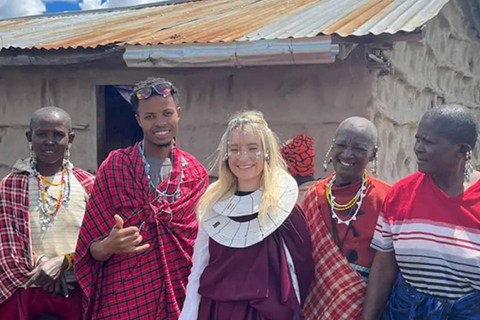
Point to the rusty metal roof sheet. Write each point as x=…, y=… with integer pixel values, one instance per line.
x=210, y=21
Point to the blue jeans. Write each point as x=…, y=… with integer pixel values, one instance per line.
x=406, y=303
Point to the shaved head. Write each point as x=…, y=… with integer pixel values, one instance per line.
x=354, y=146
x=50, y=136
x=455, y=122
x=48, y=113
x=360, y=126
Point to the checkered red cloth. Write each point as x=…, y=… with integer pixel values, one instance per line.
x=15, y=252
x=150, y=285
x=338, y=291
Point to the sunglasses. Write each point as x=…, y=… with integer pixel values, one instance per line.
x=164, y=90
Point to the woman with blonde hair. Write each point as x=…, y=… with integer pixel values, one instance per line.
x=253, y=256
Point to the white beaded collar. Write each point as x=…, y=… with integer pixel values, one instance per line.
x=230, y=233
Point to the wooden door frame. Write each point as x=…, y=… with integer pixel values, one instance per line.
x=101, y=122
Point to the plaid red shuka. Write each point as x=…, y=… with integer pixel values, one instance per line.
x=15, y=249
x=338, y=290
x=150, y=285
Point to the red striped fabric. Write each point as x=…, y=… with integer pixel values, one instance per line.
x=150, y=285
x=435, y=237
x=338, y=290
x=15, y=255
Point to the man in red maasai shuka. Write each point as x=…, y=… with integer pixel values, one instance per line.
x=42, y=203
x=136, y=243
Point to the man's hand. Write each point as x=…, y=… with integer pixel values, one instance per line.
x=61, y=286
x=119, y=241
x=46, y=273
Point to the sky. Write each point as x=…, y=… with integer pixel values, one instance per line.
x=19, y=8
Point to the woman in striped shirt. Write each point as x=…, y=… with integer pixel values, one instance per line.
x=428, y=234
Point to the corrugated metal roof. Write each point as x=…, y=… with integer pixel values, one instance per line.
x=211, y=21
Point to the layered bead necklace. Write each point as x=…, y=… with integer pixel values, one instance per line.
x=48, y=204
x=146, y=166
x=356, y=201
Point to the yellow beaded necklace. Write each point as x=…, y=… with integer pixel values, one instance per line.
x=47, y=211
x=357, y=200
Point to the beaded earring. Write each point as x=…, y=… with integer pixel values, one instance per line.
x=66, y=158
x=226, y=155
x=375, y=165
x=267, y=144
x=32, y=153
x=468, y=166
x=267, y=156
x=33, y=156
x=327, y=160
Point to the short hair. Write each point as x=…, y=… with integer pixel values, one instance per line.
x=455, y=122
x=38, y=115
x=150, y=82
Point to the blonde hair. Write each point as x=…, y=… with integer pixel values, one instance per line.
x=226, y=185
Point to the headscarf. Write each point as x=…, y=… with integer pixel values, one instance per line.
x=299, y=155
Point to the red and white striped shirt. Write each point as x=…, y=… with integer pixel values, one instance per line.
x=436, y=238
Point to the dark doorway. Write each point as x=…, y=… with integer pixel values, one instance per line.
x=117, y=127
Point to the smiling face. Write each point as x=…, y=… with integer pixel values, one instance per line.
x=158, y=117
x=351, y=152
x=50, y=137
x=246, y=158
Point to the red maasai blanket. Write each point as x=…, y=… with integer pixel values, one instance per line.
x=150, y=285
x=15, y=253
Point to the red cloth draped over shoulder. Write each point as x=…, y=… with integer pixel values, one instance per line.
x=15, y=253
x=150, y=285
x=338, y=290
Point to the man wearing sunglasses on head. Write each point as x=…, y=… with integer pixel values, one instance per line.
x=136, y=242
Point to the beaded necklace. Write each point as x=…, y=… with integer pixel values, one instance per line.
x=48, y=204
x=357, y=200
x=146, y=167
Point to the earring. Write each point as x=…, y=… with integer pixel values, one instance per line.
x=327, y=160
x=375, y=165
x=468, y=166
x=267, y=156
x=225, y=157
x=66, y=158
x=32, y=153
x=227, y=152
x=33, y=157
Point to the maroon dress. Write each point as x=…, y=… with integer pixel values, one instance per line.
x=254, y=283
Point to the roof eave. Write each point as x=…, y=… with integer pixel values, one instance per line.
x=40, y=57
x=317, y=50
x=399, y=36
